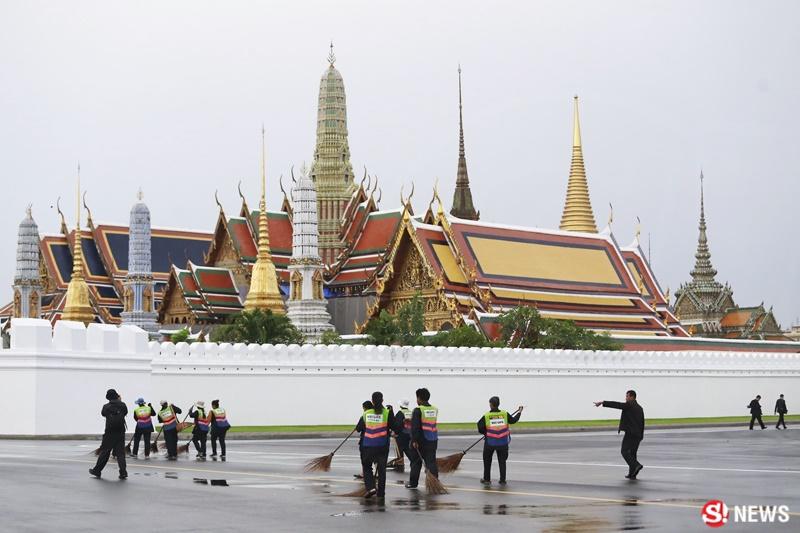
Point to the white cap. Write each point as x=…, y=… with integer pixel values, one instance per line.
x=163, y=402
x=403, y=403
x=200, y=403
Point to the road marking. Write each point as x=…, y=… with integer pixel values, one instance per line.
x=596, y=499
x=649, y=466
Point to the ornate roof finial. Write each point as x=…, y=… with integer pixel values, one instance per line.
x=463, y=206
x=638, y=230
x=331, y=56
x=29, y=211
x=577, y=214
x=140, y=195
x=64, y=229
x=88, y=211
x=610, y=214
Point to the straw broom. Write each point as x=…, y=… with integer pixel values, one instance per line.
x=360, y=493
x=432, y=483
x=180, y=426
x=397, y=464
x=154, y=446
x=323, y=464
x=452, y=462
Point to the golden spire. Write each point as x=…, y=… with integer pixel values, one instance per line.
x=264, y=293
x=577, y=215
x=77, y=307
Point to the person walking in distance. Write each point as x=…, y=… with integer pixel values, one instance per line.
x=200, y=430
x=375, y=424
x=168, y=416
x=495, y=425
x=424, y=438
x=219, y=427
x=144, y=426
x=780, y=410
x=755, y=412
x=631, y=421
x=114, y=436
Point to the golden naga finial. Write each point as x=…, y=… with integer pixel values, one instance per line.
x=610, y=214
x=666, y=296
x=638, y=229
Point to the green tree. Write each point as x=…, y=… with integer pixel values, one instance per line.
x=524, y=327
x=382, y=329
x=463, y=336
x=260, y=327
x=411, y=322
x=182, y=335
x=330, y=337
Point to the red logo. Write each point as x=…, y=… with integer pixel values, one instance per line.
x=715, y=513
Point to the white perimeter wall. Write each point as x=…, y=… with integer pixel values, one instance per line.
x=56, y=379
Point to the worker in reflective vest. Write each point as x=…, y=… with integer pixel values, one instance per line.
x=403, y=422
x=144, y=426
x=424, y=437
x=200, y=430
x=169, y=426
x=219, y=427
x=495, y=426
x=375, y=423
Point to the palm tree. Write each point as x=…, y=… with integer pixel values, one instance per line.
x=260, y=327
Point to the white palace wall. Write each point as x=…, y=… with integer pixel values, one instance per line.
x=56, y=379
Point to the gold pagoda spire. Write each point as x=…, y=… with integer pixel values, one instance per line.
x=577, y=215
x=77, y=307
x=264, y=293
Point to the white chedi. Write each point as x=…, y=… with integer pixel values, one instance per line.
x=307, y=307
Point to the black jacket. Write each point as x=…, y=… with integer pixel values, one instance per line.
x=780, y=406
x=512, y=419
x=114, y=406
x=631, y=421
x=755, y=407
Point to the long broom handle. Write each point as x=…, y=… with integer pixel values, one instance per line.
x=342, y=443
x=483, y=437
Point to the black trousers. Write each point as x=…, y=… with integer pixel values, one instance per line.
x=378, y=456
x=502, y=456
x=404, y=441
x=428, y=452
x=116, y=442
x=199, y=439
x=753, y=418
x=171, y=440
x=630, y=445
x=218, y=434
x=142, y=433
x=780, y=421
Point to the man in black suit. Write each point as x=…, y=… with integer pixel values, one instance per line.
x=780, y=410
x=755, y=412
x=631, y=421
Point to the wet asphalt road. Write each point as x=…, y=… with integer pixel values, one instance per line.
x=557, y=482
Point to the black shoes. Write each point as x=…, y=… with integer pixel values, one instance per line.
x=370, y=493
x=95, y=473
x=638, y=469
x=486, y=482
x=502, y=481
x=123, y=475
x=410, y=486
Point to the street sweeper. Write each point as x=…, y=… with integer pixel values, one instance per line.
x=495, y=426
x=143, y=414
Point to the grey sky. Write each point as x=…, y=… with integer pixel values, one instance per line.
x=170, y=96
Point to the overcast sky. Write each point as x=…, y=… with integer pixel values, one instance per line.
x=170, y=97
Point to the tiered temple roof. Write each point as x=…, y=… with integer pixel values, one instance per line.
x=469, y=271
